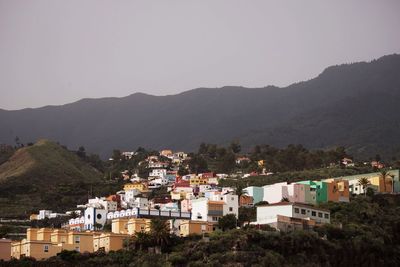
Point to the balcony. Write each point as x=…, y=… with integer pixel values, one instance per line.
x=215, y=213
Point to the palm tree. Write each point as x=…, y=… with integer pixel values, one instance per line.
x=384, y=175
x=159, y=230
x=240, y=191
x=364, y=182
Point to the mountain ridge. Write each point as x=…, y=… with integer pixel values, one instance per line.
x=299, y=113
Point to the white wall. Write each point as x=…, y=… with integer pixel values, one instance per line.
x=273, y=193
x=268, y=214
x=309, y=214
x=199, y=208
x=93, y=216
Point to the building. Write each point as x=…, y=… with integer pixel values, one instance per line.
x=94, y=218
x=109, y=242
x=289, y=224
x=245, y=201
x=5, y=249
x=268, y=214
x=274, y=193
x=142, y=187
x=136, y=225
x=189, y=227
x=44, y=214
x=197, y=180
x=256, y=192
x=376, y=182
x=166, y=153
x=44, y=243
x=158, y=173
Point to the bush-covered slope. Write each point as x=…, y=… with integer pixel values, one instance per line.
x=47, y=176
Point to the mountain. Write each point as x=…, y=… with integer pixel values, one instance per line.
x=44, y=176
x=354, y=105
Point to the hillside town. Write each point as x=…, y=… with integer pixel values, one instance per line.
x=191, y=204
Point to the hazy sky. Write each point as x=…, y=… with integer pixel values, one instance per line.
x=55, y=52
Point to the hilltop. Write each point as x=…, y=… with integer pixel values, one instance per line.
x=44, y=175
x=352, y=105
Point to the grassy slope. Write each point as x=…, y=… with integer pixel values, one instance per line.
x=44, y=175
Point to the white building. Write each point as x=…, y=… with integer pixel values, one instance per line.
x=274, y=193
x=158, y=165
x=212, y=208
x=102, y=203
x=94, y=217
x=267, y=214
x=44, y=214
x=231, y=203
x=159, y=181
x=158, y=173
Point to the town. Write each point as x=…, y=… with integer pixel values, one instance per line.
x=192, y=204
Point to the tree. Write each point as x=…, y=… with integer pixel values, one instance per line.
x=247, y=214
x=160, y=232
x=227, y=222
x=385, y=175
x=81, y=152
x=240, y=191
x=235, y=147
x=198, y=164
x=364, y=182
x=116, y=155
x=182, y=171
x=140, y=241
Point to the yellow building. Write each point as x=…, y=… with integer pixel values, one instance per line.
x=44, y=243
x=109, y=242
x=33, y=217
x=188, y=227
x=142, y=187
x=119, y=226
x=136, y=225
x=198, y=181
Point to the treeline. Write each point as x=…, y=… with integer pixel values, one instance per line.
x=211, y=157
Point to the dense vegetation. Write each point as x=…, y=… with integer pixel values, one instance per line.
x=47, y=176
x=211, y=157
x=364, y=232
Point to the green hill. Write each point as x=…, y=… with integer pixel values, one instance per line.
x=45, y=176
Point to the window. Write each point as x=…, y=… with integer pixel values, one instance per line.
x=326, y=216
x=320, y=214
x=313, y=213
x=98, y=216
x=77, y=249
x=232, y=198
x=77, y=239
x=230, y=209
x=303, y=211
x=296, y=210
x=46, y=248
x=215, y=219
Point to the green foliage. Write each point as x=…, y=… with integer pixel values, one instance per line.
x=227, y=222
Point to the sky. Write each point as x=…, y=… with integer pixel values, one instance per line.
x=56, y=52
